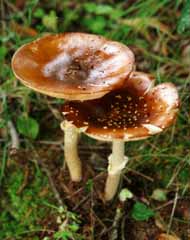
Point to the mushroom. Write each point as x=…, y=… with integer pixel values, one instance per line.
x=135, y=112
x=73, y=66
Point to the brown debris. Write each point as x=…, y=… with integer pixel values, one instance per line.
x=22, y=30
x=164, y=236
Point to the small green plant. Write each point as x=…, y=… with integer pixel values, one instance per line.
x=141, y=212
x=159, y=195
x=89, y=186
x=3, y=52
x=28, y=126
x=68, y=224
x=125, y=194
x=184, y=20
x=22, y=204
x=50, y=21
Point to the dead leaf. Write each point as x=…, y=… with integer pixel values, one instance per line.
x=20, y=4
x=152, y=22
x=164, y=236
x=22, y=30
x=160, y=224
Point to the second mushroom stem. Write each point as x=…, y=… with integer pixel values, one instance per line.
x=117, y=161
x=71, y=150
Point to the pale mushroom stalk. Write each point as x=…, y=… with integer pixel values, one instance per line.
x=72, y=159
x=117, y=161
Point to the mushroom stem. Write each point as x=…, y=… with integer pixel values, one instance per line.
x=70, y=150
x=117, y=161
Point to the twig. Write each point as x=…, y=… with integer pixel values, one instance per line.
x=76, y=192
x=3, y=164
x=114, y=233
x=123, y=228
x=164, y=205
x=169, y=203
x=81, y=202
x=22, y=186
x=80, y=189
x=100, y=222
x=11, y=6
x=3, y=16
x=59, y=142
x=176, y=172
x=140, y=174
x=54, y=111
x=51, y=182
x=92, y=219
x=15, y=142
x=173, y=211
x=53, y=187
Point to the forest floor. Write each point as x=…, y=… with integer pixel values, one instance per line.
x=37, y=199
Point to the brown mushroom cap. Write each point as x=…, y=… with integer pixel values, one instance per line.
x=74, y=66
x=133, y=113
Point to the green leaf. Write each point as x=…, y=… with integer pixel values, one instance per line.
x=125, y=194
x=65, y=235
x=2, y=123
x=39, y=13
x=28, y=126
x=184, y=21
x=3, y=52
x=46, y=238
x=159, y=195
x=141, y=212
x=32, y=3
x=50, y=21
x=116, y=13
x=74, y=227
x=89, y=186
x=184, y=175
x=100, y=9
x=90, y=7
x=95, y=24
x=103, y=9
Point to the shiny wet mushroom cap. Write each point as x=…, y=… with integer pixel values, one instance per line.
x=74, y=66
x=130, y=114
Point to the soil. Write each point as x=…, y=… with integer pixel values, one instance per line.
x=98, y=217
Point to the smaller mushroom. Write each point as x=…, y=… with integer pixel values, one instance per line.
x=136, y=112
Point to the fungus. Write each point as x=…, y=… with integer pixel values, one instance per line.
x=135, y=112
x=73, y=66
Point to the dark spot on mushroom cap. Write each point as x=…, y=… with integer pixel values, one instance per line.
x=126, y=114
x=116, y=110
